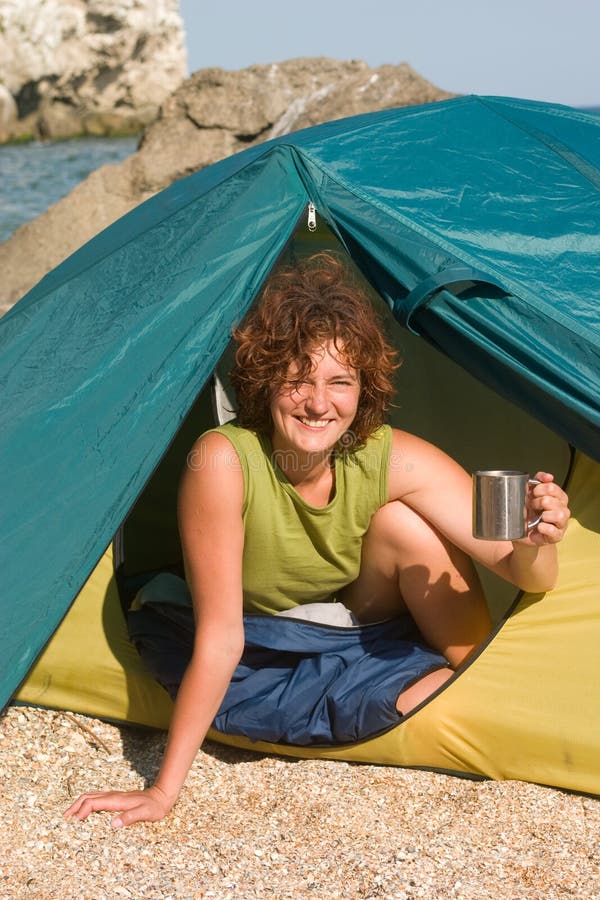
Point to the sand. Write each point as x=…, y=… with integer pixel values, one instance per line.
x=253, y=826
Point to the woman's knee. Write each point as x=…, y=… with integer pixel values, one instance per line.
x=417, y=693
x=436, y=581
x=398, y=541
x=398, y=528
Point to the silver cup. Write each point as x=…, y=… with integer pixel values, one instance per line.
x=500, y=505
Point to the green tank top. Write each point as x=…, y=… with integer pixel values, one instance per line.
x=296, y=553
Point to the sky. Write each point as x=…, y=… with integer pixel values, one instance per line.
x=536, y=49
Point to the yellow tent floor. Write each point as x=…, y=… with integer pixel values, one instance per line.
x=527, y=707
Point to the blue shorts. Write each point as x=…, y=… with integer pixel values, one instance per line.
x=298, y=682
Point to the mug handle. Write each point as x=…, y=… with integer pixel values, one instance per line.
x=537, y=521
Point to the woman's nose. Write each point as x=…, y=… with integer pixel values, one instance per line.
x=316, y=399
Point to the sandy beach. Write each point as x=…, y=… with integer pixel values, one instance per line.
x=250, y=826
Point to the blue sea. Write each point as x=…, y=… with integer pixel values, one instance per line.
x=33, y=176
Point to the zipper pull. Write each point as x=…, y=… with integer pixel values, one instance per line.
x=312, y=216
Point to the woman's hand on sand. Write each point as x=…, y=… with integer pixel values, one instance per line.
x=550, y=501
x=149, y=805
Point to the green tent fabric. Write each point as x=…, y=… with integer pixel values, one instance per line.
x=477, y=219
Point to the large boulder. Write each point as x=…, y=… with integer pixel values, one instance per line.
x=212, y=115
x=70, y=67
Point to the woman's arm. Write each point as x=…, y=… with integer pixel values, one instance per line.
x=210, y=524
x=429, y=481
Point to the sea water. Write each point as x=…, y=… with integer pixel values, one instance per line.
x=37, y=174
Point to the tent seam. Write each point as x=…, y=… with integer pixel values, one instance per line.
x=516, y=289
x=484, y=101
x=137, y=235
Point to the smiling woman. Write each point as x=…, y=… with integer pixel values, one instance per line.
x=310, y=498
x=312, y=415
x=304, y=310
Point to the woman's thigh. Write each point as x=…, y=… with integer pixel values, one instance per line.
x=407, y=565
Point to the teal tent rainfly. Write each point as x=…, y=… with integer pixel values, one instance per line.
x=476, y=219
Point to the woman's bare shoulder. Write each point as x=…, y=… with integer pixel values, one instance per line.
x=212, y=473
x=416, y=463
x=214, y=451
x=405, y=444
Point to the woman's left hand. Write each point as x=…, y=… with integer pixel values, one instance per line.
x=550, y=501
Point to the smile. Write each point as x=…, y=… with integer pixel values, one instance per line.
x=314, y=423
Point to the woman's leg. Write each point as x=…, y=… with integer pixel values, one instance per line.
x=407, y=565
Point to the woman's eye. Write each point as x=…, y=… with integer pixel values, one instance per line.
x=295, y=387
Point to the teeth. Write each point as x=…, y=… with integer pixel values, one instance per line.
x=315, y=423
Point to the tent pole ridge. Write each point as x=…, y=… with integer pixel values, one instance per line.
x=585, y=168
x=517, y=289
x=405, y=308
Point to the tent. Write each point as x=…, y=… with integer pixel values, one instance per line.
x=477, y=222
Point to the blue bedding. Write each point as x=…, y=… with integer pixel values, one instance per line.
x=298, y=682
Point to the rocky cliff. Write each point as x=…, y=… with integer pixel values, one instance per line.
x=71, y=67
x=213, y=114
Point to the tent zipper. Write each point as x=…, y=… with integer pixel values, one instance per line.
x=312, y=216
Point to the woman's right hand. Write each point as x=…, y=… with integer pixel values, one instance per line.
x=211, y=528
x=149, y=805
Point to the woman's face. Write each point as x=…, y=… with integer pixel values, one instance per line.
x=312, y=415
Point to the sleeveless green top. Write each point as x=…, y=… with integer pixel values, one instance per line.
x=297, y=553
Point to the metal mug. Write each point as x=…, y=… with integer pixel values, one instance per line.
x=500, y=505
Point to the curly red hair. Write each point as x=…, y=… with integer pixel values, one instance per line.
x=301, y=309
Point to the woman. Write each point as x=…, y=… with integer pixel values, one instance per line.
x=358, y=512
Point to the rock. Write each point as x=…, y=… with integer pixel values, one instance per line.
x=8, y=113
x=232, y=110
x=87, y=66
x=211, y=115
